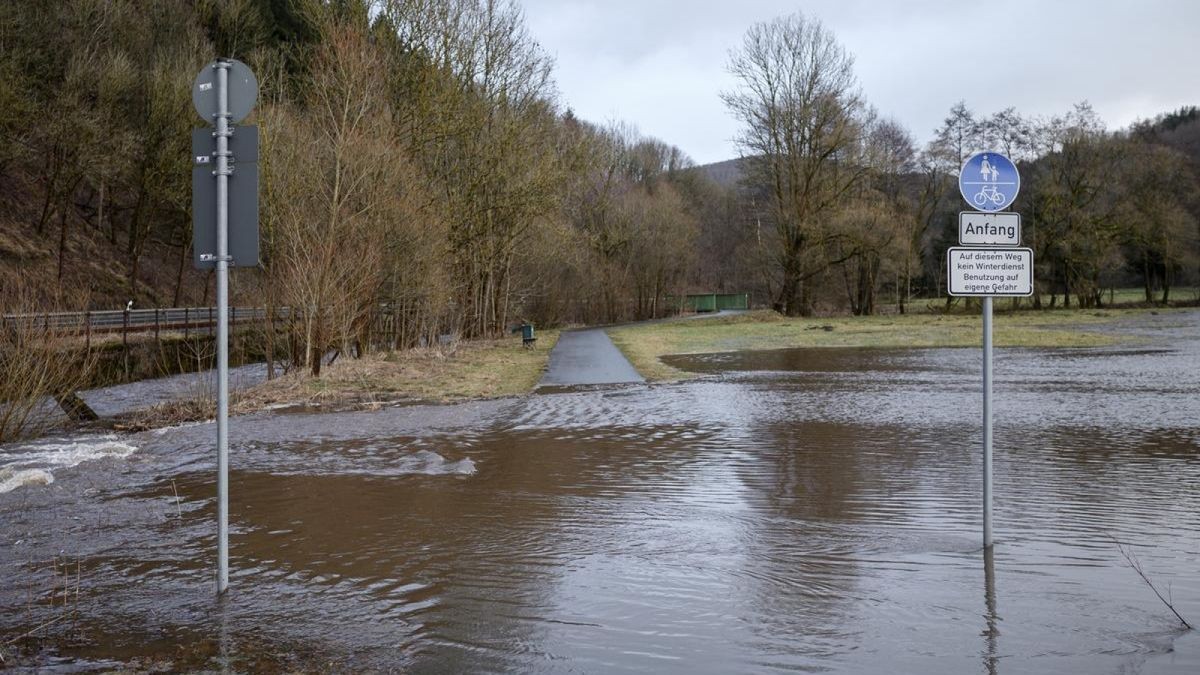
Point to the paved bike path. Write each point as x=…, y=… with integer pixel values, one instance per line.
x=587, y=357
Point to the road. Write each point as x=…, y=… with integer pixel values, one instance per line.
x=584, y=357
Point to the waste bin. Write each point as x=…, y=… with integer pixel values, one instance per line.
x=527, y=338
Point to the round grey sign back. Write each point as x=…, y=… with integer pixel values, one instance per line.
x=243, y=91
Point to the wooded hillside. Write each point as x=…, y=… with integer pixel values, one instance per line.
x=417, y=160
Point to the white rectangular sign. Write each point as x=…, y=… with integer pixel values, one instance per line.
x=989, y=229
x=1001, y=272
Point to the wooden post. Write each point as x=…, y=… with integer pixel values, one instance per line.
x=125, y=341
x=187, y=323
x=233, y=320
x=156, y=325
x=87, y=327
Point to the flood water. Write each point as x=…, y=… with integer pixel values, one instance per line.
x=812, y=511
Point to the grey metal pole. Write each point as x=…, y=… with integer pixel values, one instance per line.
x=223, y=171
x=987, y=422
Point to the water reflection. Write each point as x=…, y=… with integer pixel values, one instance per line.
x=992, y=632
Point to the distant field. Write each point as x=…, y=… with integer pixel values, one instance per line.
x=1133, y=296
x=645, y=344
x=1117, y=297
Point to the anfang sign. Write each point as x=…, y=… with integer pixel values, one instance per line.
x=989, y=229
x=989, y=182
x=990, y=272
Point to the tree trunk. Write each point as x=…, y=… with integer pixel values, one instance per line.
x=269, y=336
x=183, y=248
x=62, y=243
x=1147, y=280
x=788, y=291
x=851, y=291
x=100, y=209
x=308, y=345
x=51, y=179
x=136, y=241
x=315, y=359
x=75, y=408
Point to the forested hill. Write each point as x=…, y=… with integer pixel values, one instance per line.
x=727, y=174
x=395, y=171
x=85, y=262
x=1179, y=130
x=398, y=174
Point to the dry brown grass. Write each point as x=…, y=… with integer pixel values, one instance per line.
x=468, y=370
x=37, y=366
x=477, y=369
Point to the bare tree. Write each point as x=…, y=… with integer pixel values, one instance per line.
x=802, y=116
x=481, y=123
x=338, y=186
x=959, y=136
x=1010, y=133
x=40, y=362
x=1159, y=232
x=1075, y=202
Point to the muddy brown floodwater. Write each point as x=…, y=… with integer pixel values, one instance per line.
x=789, y=511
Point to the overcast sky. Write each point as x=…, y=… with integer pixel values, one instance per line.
x=660, y=64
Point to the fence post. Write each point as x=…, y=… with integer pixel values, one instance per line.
x=87, y=327
x=187, y=324
x=125, y=340
x=233, y=334
x=156, y=325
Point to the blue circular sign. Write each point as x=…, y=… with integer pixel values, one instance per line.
x=989, y=181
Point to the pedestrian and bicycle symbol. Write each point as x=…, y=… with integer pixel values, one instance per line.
x=989, y=181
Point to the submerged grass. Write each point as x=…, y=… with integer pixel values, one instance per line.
x=645, y=344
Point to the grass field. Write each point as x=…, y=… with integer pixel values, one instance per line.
x=1137, y=296
x=1120, y=298
x=644, y=345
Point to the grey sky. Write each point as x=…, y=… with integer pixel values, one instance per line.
x=660, y=64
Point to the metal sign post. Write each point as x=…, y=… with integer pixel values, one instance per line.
x=221, y=98
x=987, y=422
x=989, y=182
x=222, y=326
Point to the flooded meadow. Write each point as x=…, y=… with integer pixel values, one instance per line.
x=798, y=510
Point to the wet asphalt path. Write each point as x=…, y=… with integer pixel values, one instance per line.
x=587, y=357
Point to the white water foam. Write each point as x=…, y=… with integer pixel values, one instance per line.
x=185, y=425
x=32, y=464
x=11, y=479
x=431, y=463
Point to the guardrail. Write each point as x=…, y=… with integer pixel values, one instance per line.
x=187, y=319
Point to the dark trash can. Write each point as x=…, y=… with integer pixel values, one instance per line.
x=527, y=338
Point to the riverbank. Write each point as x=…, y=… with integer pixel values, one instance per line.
x=469, y=370
x=645, y=344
